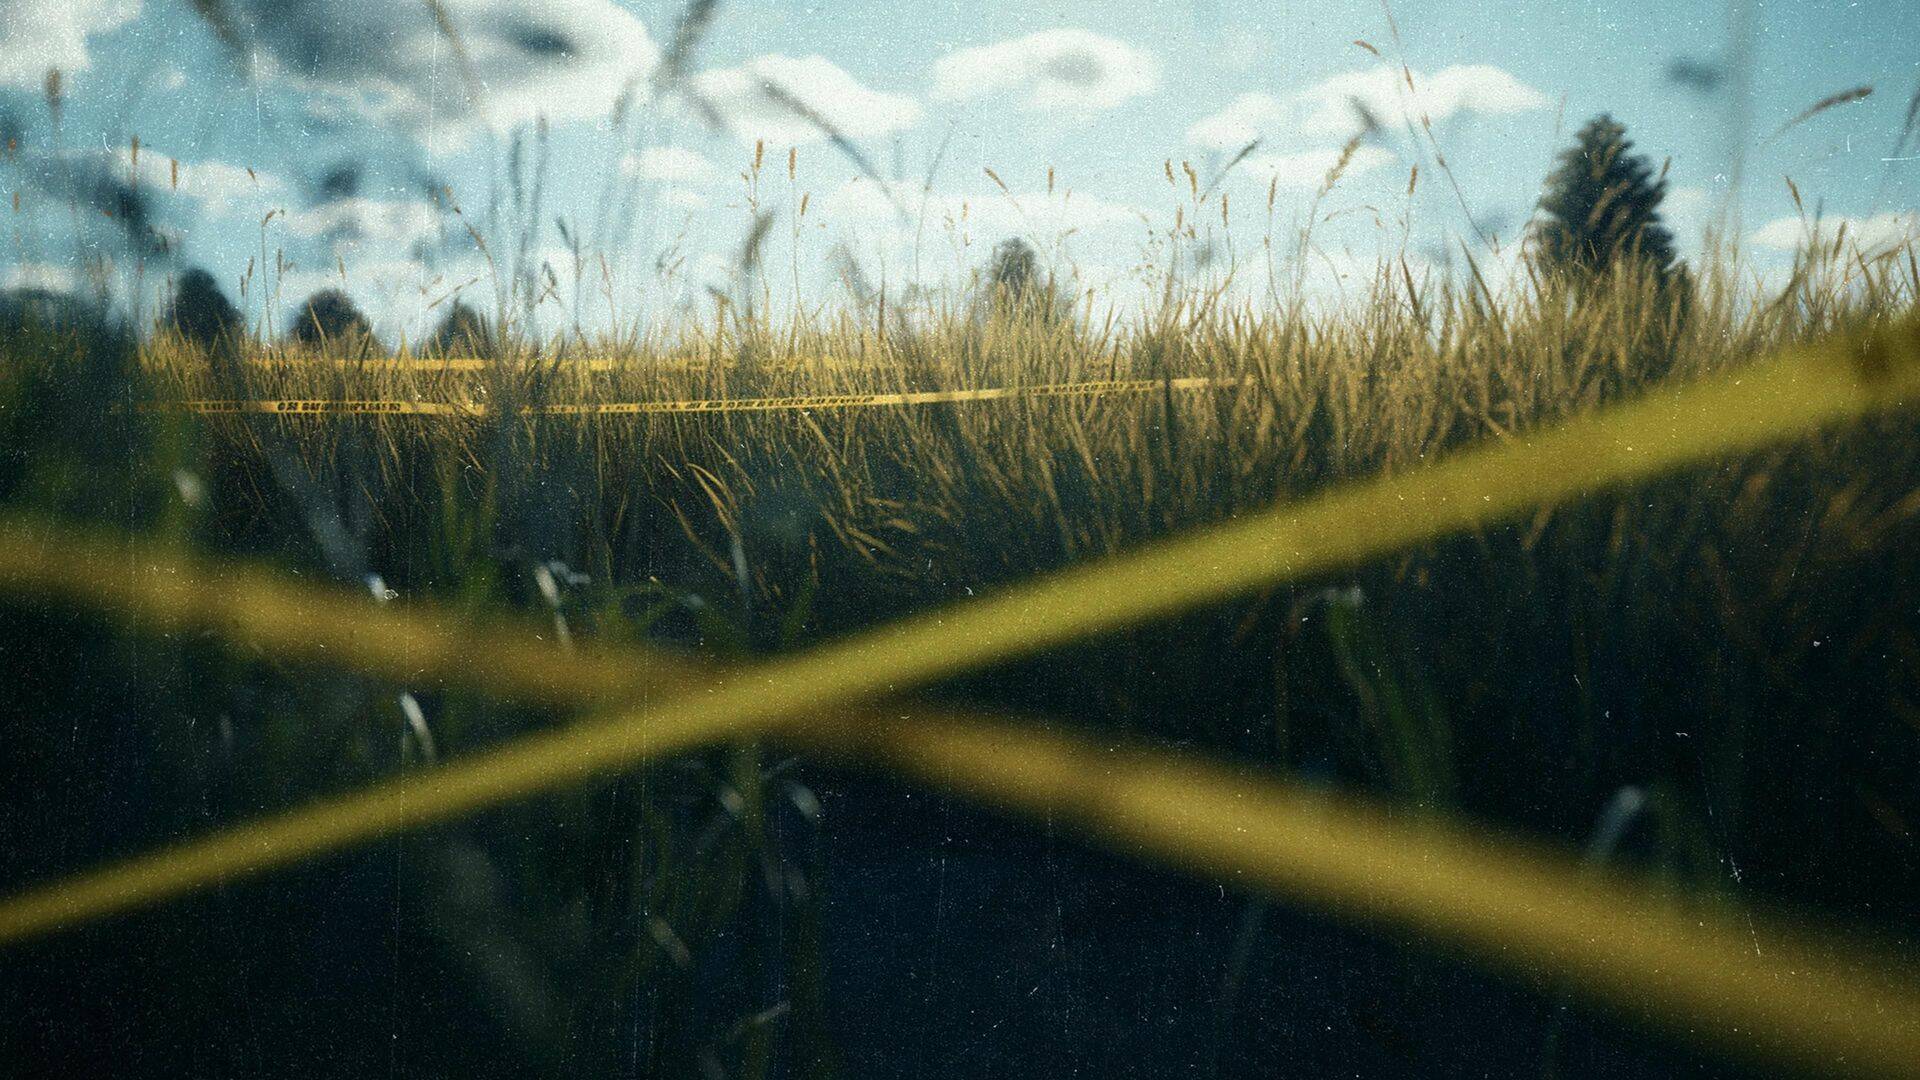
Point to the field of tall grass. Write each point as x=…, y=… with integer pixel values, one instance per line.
x=1712, y=680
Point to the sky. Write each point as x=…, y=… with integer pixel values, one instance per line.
x=291, y=145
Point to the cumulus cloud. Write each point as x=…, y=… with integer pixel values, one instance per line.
x=671, y=165
x=1462, y=88
x=1687, y=211
x=1056, y=69
x=748, y=101
x=1246, y=118
x=1691, y=202
x=118, y=202
x=564, y=60
x=216, y=185
x=51, y=277
x=393, y=293
x=363, y=221
x=1334, y=106
x=38, y=35
x=1877, y=233
x=1310, y=168
x=860, y=203
x=684, y=199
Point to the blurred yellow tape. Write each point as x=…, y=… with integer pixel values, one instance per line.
x=1817, y=1009
x=467, y=365
x=1741, y=981
x=333, y=407
x=316, y=407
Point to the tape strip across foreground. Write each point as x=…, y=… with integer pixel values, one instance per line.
x=338, y=407
x=470, y=365
x=1703, y=974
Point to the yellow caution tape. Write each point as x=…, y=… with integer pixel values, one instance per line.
x=338, y=407
x=1818, y=1012
x=561, y=364
x=1741, y=981
x=315, y=407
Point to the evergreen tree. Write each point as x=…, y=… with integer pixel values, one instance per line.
x=1602, y=204
x=329, y=320
x=200, y=313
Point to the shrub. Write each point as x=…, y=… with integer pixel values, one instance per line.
x=329, y=320
x=463, y=331
x=200, y=313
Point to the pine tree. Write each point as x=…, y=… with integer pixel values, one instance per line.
x=1602, y=204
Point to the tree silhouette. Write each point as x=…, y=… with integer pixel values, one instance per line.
x=200, y=313
x=1602, y=205
x=329, y=320
x=1012, y=269
x=463, y=331
x=1016, y=286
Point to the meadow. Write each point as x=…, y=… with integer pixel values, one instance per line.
x=1707, y=681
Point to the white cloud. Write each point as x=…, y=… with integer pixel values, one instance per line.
x=1059, y=69
x=669, y=164
x=359, y=221
x=1687, y=210
x=39, y=35
x=1876, y=233
x=683, y=199
x=52, y=277
x=1043, y=216
x=564, y=60
x=401, y=297
x=1248, y=117
x=1689, y=202
x=217, y=185
x=742, y=98
x=1309, y=168
x=1328, y=107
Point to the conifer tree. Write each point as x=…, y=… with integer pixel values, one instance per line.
x=1602, y=205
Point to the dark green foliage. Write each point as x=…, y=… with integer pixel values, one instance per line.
x=1730, y=646
x=45, y=311
x=632, y=921
x=329, y=320
x=1013, y=269
x=200, y=313
x=1016, y=285
x=464, y=332
x=1602, y=205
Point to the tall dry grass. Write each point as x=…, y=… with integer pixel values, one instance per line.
x=1733, y=648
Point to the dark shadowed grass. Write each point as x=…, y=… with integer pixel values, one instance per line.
x=1735, y=641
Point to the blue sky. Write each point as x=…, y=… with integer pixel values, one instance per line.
x=353, y=116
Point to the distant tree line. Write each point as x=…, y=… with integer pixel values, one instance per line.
x=328, y=321
x=1599, y=213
